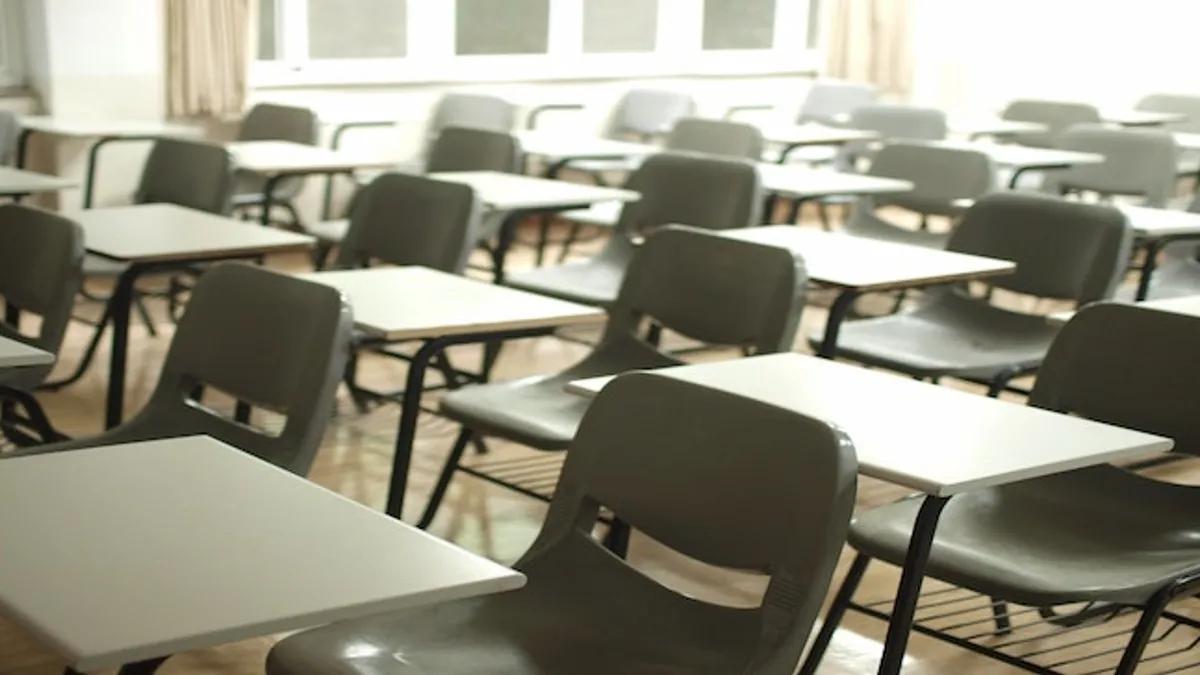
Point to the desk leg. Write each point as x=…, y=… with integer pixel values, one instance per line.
x=410, y=412
x=504, y=242
x=264, y=218
x=93, y=160
x=1153, y=248
x=793, y=217
x=833, y=325
x=147, y=667
x=22, y=151
x=121, y=304
x=909, y=592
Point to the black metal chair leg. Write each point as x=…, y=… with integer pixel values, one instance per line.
x=139, y=305
x=350, y=378
x=833, y=618
x=1000, y=616
x=617, y=537
x=823, y=213
x=1143, y=632
x=292, y=213
x=572, y=237
x=443, y=481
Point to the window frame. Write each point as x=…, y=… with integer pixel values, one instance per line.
x=431, y=58
x=12, y=52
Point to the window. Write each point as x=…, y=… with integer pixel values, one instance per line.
x=12, y=71
x=365, y=41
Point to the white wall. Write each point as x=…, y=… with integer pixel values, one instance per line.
x=977, y=55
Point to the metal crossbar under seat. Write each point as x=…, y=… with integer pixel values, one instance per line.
x=1080, y=639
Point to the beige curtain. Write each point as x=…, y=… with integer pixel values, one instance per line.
x=208, y=57
x=870, y=41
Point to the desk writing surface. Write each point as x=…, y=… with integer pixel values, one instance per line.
x=20, y=182
x=935, y=439
x=285, y=157
x=399, y=303
x=92, y=128
x=514, y=192
x=844, y=261
x=164, y=232
x=16, y=354
x=128, y=552
x=1152, y=223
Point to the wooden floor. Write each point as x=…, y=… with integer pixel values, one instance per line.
x=355, y=461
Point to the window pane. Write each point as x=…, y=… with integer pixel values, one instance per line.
x=268, y=50
x=739, y=24
x=502, y=26
x=620, y=25
x=361, y=29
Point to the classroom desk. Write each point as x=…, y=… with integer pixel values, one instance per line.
x=557, y=149
x=441, y=310
x=935, y=440
x=278, y=160
x=17, y=183
x=130, y=553
x=979, y=127
x=102, y=133
x=16, y=354
x=163, y=237
x=794, y=136
x=857, y=265
x=1140, y=118
x=1020, y=159
x=1157, y=228
x=517, y=197
x=792, y=181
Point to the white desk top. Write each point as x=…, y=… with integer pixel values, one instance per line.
x=165, y=232
x=813, y=134
x=1152, y=223
x=85, y=128
x=18, y=182
x=938, y=440
x=843, y=261
x=269, y=157
x=799, y=181
x=1012, y=156
x=1187, y=140
x=558, y=146
x=14, y=354
x=992, y=126
x=129, y=552
x=514, y=192
x=1188, y=305
x=1140, y=118
x=399, y=303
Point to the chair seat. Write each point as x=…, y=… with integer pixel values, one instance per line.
x=873, y=227
x=604, y=214
x=534, y=411
x=98, y=266
x=331, y=231
x=554, y=625
x=1067, y=538
x=948, y=335
x=592, y=282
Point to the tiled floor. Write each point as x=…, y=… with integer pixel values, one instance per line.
x=355, y=460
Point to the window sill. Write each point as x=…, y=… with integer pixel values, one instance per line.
x=528, y=69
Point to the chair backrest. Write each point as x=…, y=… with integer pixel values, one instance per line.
x=41, y=269
x=467, y=149
x=1126, y=365
x=194, y=174
x=473, y=111
x=675, y=461
x=274, y=122
x=403, y=219
x=722, y=138
x=1057, y=116
x=1137, y=162
x=712, y=193
x=274, y=341
x=1182, y=104
x=10, y=130
x=832, y=101
x=892, y=121
x=711, y=288
x=941, y=175
x=1065, y=250
x=648, y=112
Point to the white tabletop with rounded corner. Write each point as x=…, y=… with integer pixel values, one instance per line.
x=559, y=146
x=18, y=182
x=270, y=157
x=400, y=303
x=1152, y=223
x=1188, y=305
x=934, y=439
x=514, y=192
x=131, y=552
x=16, y=354
x=94, y=128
